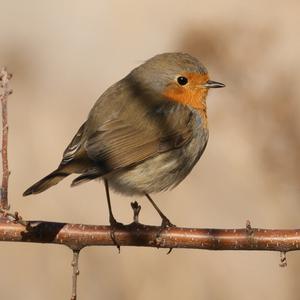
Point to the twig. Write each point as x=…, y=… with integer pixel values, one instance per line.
x=14, y=217
x=6, y=91
x=75, y=273
x=136, y=211
x=77, y=236
x=283, y=260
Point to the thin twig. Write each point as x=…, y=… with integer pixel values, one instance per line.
x=6, y=91
x=14, y=217
x=75, y=273
x=136, y=211
x=283, y=260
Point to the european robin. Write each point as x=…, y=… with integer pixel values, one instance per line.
x=144, y=134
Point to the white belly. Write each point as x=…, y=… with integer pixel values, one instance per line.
x=161, y=172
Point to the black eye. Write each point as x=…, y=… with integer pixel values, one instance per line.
x=182, y=80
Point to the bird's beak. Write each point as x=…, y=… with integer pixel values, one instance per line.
x=213, y=84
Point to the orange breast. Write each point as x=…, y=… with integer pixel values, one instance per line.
x=192, y=94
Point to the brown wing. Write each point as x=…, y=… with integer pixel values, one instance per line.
x=72, y=149
x=75, y=159
x=120, y=143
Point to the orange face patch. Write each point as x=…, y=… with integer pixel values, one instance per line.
x=192, y=93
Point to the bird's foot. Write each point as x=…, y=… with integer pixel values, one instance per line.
x=166, y=223
x=114, y=226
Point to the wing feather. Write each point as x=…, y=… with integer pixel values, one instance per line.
x=119, y=143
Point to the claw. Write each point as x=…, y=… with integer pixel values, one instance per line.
x=114, y=225
x=166, y=223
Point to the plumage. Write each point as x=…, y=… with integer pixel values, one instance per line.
x=145, y=133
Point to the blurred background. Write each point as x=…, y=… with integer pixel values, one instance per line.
x=64, y=54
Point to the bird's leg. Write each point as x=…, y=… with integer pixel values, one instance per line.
x=164, y=224
x=113, y=222
x=165, y=221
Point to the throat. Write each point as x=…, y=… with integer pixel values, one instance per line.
x=194, y=99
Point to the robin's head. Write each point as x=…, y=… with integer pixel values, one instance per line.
x=176, y=76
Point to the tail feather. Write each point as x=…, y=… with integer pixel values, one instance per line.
x=84, y=178
x=46, y=182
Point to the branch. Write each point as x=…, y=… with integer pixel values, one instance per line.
x=4, y=84
x=75, y=273
x=78, y=236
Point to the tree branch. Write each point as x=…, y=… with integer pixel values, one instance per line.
x=78, y=236
x=6, y=91
x=75, y=262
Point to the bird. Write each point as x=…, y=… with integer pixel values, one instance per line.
x=144, y=134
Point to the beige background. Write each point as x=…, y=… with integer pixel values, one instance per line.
x=64, y=54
